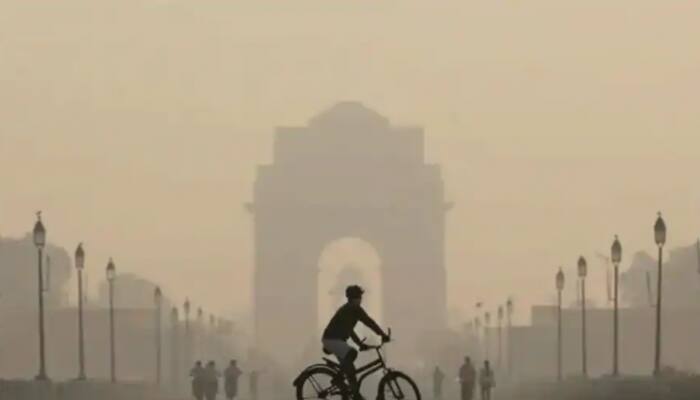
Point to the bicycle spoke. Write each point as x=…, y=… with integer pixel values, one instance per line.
x=318, y=385
x=397, y=392
x=315, y=384
x=400, y=387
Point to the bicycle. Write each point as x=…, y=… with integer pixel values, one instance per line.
x=326, y=381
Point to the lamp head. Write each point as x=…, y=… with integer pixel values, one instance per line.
x=660, y=231
x=560, y=280
x=111, y=270
x=79, y=257
x=582, y=267
x=39, y=232
x=157, y=295
x=616, y=251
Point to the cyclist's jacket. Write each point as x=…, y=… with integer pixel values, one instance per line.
x=343, y=322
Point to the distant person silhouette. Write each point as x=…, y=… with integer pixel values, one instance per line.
x=253, y=383
x=341, y=327
x=467, y=379
x=486, y=381
x=231, y=375
x=438, y=377
x=211, y=381
x=197, y=375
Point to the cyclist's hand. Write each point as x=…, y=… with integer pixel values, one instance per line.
x=386, y=338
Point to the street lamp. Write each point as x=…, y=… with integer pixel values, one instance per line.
x=40, y=242
x=174, y=359
x=158, y=301
x=660, y=239
x=500, y=335
x=477, y=335
x=198, y=330
x=111, y=274
x=697, y=250
x=214, y=343
x=616, y=257
x=560, y=286
x=79, y=266
x=509, y=316
x=582, y=272
x=487, y=333
x=188, y=341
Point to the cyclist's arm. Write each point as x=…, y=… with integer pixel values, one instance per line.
x=369, y=322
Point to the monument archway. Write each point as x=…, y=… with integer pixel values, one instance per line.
x=348, y=173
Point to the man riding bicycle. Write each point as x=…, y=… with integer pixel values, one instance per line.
x=341, y=327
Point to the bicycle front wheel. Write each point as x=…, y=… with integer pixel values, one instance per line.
x=318, y=385
x=398, y=386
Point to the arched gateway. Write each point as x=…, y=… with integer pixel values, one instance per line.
x=349, y=173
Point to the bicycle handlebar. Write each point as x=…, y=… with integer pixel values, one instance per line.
x=379, y=346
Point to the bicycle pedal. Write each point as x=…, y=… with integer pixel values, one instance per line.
x=337, y=381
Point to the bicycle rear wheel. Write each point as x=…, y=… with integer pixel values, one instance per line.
x=398, y=386
x=318, y=385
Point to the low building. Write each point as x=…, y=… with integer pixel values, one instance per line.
x=534, y=347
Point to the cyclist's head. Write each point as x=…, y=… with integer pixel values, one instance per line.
x=354, y=293
x=233, y=362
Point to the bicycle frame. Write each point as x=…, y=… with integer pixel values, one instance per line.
x=371, y=367
x=339, y=387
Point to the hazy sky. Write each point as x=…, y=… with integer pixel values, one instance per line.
x=137, y=126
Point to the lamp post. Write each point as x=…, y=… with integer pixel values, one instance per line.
x=616, y=257
x=79, y=265
x=697, y=250
x=487, y=333
x=111, y=274
x=188, y=338
x=158, y=301
x=500, y=336
x=213, y=339
x=200, y=318
x=560, y=286
x=40, y=242
x=660, y=239
x=174, y=359
x=477, y=335
x=509, y=322
x=582, y=272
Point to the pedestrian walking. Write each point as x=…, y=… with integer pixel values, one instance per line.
x=486, y=381
x=467, y=379
x=197, y=375
x=231, y=375
x=253, y=384
x=211, y=381
x=438, y=378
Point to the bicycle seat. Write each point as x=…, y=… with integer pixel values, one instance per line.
x=331, y=362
